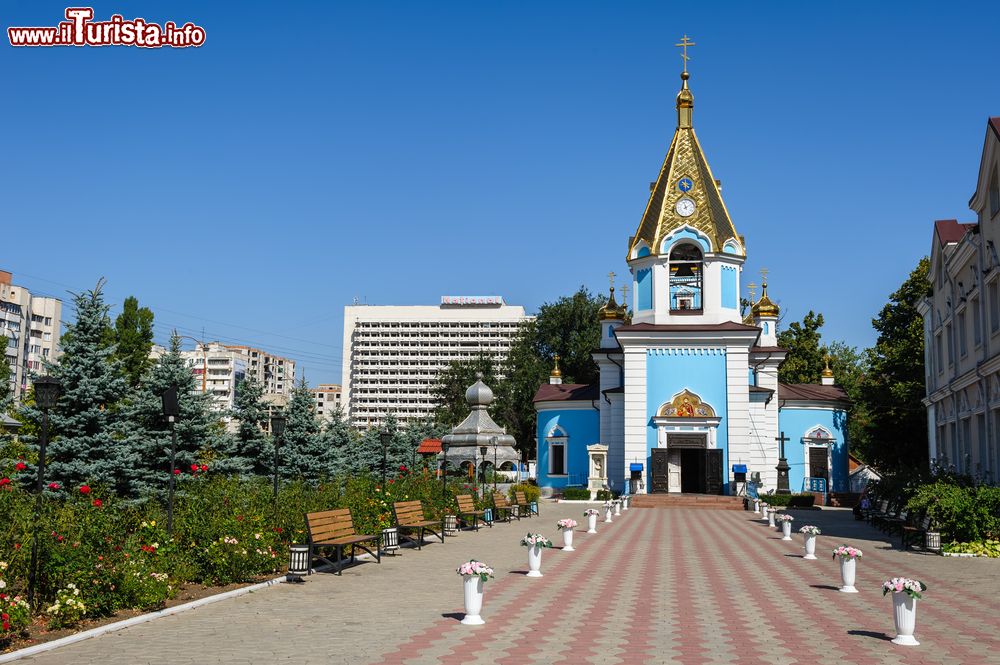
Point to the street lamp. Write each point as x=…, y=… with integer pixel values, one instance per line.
x=385, y=436
x=277, y=429
x=47, y=389
x=444, y=472
x=495, y=440
x=482, y=452
x=171, y=411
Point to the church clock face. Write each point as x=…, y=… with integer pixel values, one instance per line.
x=684, y=207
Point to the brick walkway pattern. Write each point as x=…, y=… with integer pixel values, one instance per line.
x=656, y=586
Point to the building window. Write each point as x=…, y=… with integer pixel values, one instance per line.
x=963, y=345
x=939, y=347
x=994, y=307
x=557, y=457
x=685, y=278
x=950, y=340
x=977, y=322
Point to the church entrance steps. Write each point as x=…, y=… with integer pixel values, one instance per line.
x=711, y=501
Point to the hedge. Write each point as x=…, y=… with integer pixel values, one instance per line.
x=576, y=494
x=789, y=500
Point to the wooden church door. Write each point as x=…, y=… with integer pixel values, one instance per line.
x=713, y=471
x=659, y=468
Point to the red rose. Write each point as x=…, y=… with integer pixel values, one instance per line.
x=98, y=503
x=53, y=486
x=194, y=468
x=4, y=481
x=402, y=467
x=177, y=472
x=20, y=466
x=84, y=489
x=204, y=467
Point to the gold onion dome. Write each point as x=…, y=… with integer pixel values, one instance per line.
x=827, y=372
x=556, y=372
x=611, y=310
x=764, y=306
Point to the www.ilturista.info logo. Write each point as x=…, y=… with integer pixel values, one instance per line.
x=81, y=30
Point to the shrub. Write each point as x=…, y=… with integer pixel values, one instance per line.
x=606, y=495
x=962, y=512
x=576, y=494
x=789, y=500
x=531, y=492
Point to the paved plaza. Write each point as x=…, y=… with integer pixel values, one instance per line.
x=656, y=586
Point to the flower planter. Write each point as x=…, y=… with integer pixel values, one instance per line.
x=567, y=540
x=904, y=615
x=786, y=530
x=763, y=512
x=607, y=512
x=535, y=561
x=847, y=573
x=810, y=546
x=756, y=506
x=770, y=517
x=625, y=502
x=618, y=508
x=591, y=523
x=473, y=600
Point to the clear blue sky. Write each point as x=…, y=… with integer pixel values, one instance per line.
x=311, y=153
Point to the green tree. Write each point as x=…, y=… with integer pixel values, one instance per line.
x=449, y=388
x=304, y=452
x=570, y=328
x=144, y=454
x=850, y=367
x=894, y=385
x=249, y=451
x=804, y=363
x=6, y=393
x=133, y=339
x=340, y=440
x=85, y=424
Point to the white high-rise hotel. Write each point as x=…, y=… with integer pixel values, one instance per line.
x=393, y=354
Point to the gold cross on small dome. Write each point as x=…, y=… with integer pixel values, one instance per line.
x=685, y=42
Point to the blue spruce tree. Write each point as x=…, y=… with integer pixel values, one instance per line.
x=304, y=452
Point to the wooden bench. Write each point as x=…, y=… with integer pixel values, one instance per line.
x=466, y=508
x=335, y=528
x=502, y=505
x=881, y=511
x=911, y=534
x=409, y=517
x=521, y=501
x=894, y=524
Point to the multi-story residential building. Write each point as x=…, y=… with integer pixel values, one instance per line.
x=275, y=373
x=32, y=326
x=218, y=371
x=393, y=354
x=962, y=329
x=326, y=400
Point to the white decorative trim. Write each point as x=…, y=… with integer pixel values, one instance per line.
x=686, y=351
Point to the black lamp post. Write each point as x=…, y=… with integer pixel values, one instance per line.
x=385, y=436
x=47, y=389
x=277, y=430
x=482, y=453
x=495, y=440
x=171, y=411
x=444, y=471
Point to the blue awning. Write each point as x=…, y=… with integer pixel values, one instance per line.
x=635, y=466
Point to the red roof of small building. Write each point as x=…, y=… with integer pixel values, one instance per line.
x=554, y=392
x=995, y=124
x=812, y=392
x=429, y=447
x=950, y=230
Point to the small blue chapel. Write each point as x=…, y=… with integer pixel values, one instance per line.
x=688, y=398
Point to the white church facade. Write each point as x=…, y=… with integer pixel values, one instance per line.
x=688, y=398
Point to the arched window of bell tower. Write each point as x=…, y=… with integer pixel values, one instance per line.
x=686, y=272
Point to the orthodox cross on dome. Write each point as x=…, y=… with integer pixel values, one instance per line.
x=685, y=42
x=611, y=276
x=752, y=290
x=763, y=275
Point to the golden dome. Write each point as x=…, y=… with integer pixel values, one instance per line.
x=610, y=311
x=556, y=372
x=827, y=372
x=764, y=306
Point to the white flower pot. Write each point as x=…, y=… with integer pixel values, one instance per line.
x=625, y=502
x=535, y=561
x=607, y=513
x=904, y=614
x=618, y=508
x=567, y=540
x=591, y=523
x=770, y=517
x=473, y=600
x=756, y=506
x=810, y=546
x=786, y=530
x=847, y=571
x=763, y=513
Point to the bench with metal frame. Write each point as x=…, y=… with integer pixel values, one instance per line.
x=409, y=517
x=467, y=508
x=503, y=509
x=523, y=506
x=911, y=534
x=881, y=511
x=335, y=528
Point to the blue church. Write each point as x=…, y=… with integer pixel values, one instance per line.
x=688, y=398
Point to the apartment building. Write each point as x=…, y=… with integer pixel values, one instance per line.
x=962, y=329
x=326, y=399
x=275, y=373
x=218, y=370
x=32, y=326
x=393, y=354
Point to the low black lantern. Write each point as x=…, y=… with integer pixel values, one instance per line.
x=47, y=391
x=298, y=562
x=277, y=429
x=171, y=407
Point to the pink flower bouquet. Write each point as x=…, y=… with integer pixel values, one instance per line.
x=783, y=517
x=566, y=524
x=477, y=568
x=912, y=588
x=536, y=540
x=811, y=530
x=847, y=552
x=590, y=511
